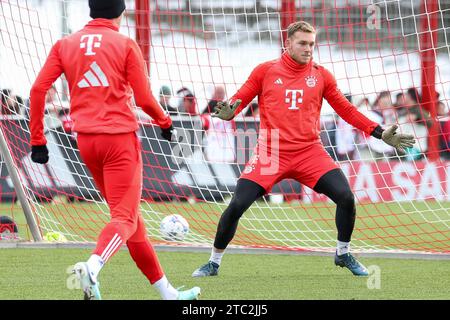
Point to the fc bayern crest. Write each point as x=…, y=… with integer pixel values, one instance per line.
x=250, y=166
x=311, y=81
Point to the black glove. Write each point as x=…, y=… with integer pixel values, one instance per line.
x=39, y=154
x=169, y=133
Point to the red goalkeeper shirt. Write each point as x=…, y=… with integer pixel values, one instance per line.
x=290, y=99
x=103, y=69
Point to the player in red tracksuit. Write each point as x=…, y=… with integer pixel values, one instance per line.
x=290, y=91
x=104, y=69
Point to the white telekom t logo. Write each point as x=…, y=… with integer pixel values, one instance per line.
x=90, y=43
x=291, y=97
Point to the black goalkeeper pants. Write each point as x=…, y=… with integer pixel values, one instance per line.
x=333, y=184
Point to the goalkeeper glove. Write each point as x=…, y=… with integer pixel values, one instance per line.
x=224, y=111
x=170, y=134
x=39, y=154
x=399, y=141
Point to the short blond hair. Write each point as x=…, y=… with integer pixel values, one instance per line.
x=302, y=26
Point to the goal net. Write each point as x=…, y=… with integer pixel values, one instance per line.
x=200, y=52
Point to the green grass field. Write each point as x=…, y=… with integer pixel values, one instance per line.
x=42, y=274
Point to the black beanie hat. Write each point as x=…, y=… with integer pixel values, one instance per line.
x=107, y=9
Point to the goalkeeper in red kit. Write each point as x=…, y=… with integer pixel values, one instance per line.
x=290, y=92
x=101, y=67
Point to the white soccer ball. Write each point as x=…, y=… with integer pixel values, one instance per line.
x=174, y=228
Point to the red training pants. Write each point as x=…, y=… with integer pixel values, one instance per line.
x=115, y=163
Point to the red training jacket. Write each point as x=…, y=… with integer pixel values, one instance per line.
x=290, y=98
x=101, y=66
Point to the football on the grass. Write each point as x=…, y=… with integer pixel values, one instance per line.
x=174, y=228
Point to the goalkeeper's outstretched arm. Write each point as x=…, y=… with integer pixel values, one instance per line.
x=351, y=115
x=249, y=90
